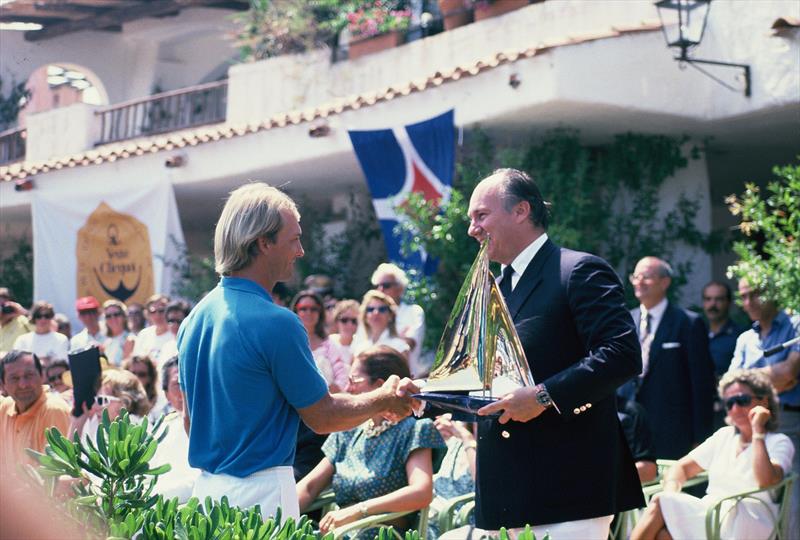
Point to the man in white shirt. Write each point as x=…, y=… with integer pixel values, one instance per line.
x=391, y=280
x=88, y=309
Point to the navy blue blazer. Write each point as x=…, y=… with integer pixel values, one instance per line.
x=579, y=340
x=678, y=389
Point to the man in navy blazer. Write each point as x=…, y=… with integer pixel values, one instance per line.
x=557, y=457
x=677, y=386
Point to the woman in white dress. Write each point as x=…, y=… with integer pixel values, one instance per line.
x=119, y=344
x=333, y=363
x=345, y=320
x=743, y=456
x=378, y=317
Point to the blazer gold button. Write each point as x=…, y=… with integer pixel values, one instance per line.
x=576, y=410
x=588, y=405
x=583, y=408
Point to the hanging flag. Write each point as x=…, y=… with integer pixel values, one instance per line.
x=398, y=161
x=104, y=239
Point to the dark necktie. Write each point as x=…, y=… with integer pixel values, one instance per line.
x=505, y=283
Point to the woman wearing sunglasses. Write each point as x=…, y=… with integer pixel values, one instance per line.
x=378, y=315
x=745, y=455
x=44, y=341
x=119, y=341
x=331, y=361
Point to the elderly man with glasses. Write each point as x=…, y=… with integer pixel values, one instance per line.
x=676, y=386
x=88, y=309
x=391, y=280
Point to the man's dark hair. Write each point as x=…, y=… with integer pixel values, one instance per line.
x=57, y=363
x=15, y=355
x=728, y=291
x=168, y=365
x=518, y=187
x=382, y=361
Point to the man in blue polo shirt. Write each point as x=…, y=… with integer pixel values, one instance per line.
x=771, y=327
x=246, y=367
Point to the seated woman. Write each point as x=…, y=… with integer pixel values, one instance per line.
x=742, y=456
x=378, y=324
x=380, y=466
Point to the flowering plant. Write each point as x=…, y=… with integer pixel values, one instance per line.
x=377, y=17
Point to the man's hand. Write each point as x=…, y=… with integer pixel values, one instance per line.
x=520, y=405
x=398, y=401
x=337, y=518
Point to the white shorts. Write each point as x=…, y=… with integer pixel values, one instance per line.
x=270, y=488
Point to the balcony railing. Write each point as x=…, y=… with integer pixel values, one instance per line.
x=12, y=145
x=161, y=113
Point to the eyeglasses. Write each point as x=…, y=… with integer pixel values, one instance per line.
x=305, y=309
x=355, y=380
x=174, y=321
x=42, y=316
x=379, y=309
x=633, y=278
x=134, y=313
x=157, y=310
x=55, y=378
x=742, y=400
x=348, y=320
x=114, y=314
x=385, y=284
x=104, y=400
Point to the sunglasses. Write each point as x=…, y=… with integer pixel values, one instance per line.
x=113, y=315
x=379, y=309
x=742, y=400
x=42, y=316
x=85, y=312
x=157, y=310
x=355, y=380
x=174, y=321
x=104, y=400
x=306, y=309
x=386, y=284
x=348, y=320
x=55, y=378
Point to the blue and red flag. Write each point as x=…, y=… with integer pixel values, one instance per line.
x=398, y=161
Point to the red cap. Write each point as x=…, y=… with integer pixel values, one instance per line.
x=86, y=302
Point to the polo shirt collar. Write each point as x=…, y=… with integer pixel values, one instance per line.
x=780, y=319
x=33, y=409
x=244, y=284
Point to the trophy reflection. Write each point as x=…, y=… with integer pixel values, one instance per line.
x=480, y=356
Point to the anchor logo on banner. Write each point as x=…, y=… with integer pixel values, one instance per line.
x=114, y=257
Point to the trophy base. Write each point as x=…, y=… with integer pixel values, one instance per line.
x=463, y=408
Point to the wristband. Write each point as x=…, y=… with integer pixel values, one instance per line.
x=758, y=436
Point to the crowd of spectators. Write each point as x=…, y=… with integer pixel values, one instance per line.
x=670, y=411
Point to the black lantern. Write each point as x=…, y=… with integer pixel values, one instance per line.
x=684, y=23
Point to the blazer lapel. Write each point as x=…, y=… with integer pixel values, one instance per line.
x=530, y=278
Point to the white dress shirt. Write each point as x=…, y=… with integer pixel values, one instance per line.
x=521, y=262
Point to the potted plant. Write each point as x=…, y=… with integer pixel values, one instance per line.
x=485, y=9
x=375, y=26
x=455, y=13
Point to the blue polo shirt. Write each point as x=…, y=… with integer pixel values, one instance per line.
x=750, y=349
x=245, y=366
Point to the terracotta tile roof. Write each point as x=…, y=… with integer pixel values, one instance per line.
x=193, y=137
